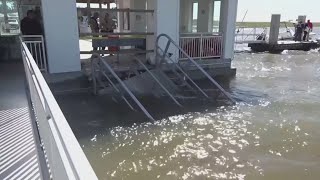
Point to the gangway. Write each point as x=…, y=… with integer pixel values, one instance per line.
x=169, y=75
x=63, y=157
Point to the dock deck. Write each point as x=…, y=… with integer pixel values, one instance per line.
x=19, y=142
x=283, y=45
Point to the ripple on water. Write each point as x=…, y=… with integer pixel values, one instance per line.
x=225, y=143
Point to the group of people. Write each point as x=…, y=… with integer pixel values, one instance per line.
x=302, y=31
x=104, y=25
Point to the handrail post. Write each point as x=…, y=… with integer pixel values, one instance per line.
x=93, y=74
x=201, y=46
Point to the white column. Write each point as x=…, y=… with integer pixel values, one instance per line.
x=204, y=13
x=151, y=19
x=274, y=29
x=139, y=18
x=124, y=4
x=167, y=22
x=186, y=16
x=61, y=35
x=228, y=26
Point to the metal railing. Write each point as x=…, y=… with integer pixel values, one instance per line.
x=162, y=59
x=158, y=81
x=65, y=158
x=201, y=45
x=36, y=46
x=248, y=35
x=98, y=65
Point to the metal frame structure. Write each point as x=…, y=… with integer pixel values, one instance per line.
x=65, y=158
x=201, y=45
x=162, y=59
x=36, y=46
x=99, y=65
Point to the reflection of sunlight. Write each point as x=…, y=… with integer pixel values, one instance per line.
x=224, y=144
x=18, y=148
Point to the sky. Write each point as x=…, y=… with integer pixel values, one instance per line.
x=261, y=10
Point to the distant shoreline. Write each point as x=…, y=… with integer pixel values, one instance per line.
x=266, y=24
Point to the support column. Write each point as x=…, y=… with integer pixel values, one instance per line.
x=228, y=26
x=186, y=16
x=274, y=29
x=139, y=19
x=61, y=35
x=204, y=13
x=168, y=22
x=151, y=19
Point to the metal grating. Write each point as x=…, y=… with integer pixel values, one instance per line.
x=18, y=151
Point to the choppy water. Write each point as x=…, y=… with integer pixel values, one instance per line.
x=272, y=133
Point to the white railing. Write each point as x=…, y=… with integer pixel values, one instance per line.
x=65, y=158
x=35, y=44
x=201, y=45
x=248, y=35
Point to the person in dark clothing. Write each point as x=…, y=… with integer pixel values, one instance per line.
x=30, y=25
x=94, y=27
x=299, y=31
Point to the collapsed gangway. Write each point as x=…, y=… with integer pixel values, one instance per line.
x=171, y=78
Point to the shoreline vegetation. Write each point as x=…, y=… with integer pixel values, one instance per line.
x=267, y=24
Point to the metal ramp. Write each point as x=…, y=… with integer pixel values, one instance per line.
x=166, y=78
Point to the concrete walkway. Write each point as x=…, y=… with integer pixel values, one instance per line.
x=19, y=145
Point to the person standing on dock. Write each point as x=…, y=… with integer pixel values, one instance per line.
x=94, y=27
x=299, y=31
x=306, y=31
x=107, y=26
x=310, y=25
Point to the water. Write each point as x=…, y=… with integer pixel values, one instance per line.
x=272, y=133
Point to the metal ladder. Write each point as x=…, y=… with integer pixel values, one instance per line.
x=164, y=59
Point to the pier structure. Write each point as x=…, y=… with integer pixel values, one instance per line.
x=153, y=49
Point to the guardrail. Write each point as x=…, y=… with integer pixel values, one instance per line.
x=201, y=45
x=35, y=44
x=65, y=158
x=248, y=35
x=161, y=58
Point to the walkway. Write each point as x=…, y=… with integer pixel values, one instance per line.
x=19, y=157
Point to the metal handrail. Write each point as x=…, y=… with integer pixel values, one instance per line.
x=185, y=74
x=93, y=67
x=201, y=33
x=157, y=80
x=122, y=84
x=171, y=41
x=66, y=158
x=40, y=51
x=118, y=34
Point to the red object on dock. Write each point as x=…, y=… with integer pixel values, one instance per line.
x=114, y=48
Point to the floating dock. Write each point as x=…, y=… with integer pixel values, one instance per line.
x=283, y=45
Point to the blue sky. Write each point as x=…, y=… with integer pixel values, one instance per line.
x=261, y=10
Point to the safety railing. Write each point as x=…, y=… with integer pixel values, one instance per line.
x=160, y=60
x=65, y=158
x=201, y=45
x=36, y=46
x=249, y=35
x=98, y=65
x=158, y=81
